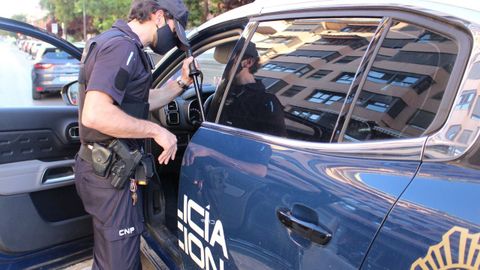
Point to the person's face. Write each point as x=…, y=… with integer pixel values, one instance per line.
x=243, y=72
x=159, y=19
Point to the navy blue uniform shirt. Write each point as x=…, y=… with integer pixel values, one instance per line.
x=117, y=67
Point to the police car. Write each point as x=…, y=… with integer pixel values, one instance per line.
x=376, y=166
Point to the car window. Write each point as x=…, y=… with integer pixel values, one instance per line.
x=404, y=87
x=54, y=53
x=211, y=67
x=33, y=72
x=294, y=76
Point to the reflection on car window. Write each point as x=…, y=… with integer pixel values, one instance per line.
x=33, y=72
x=405, y=85
x=305, y=69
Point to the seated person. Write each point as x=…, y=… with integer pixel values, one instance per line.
x=248, y=105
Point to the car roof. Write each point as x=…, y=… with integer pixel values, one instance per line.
x=433, y=5
x=458, y=10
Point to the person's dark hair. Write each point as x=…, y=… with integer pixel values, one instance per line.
x=142, y=9
x=251, y=52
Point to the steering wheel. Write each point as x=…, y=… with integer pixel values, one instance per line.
x=207, y=103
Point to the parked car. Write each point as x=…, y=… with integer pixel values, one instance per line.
x=376, y=166
x=20, y=43
x=28, y=45
x=37, y=45
x=52, y=69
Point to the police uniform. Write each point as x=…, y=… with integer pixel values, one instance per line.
x=114, y=63
x=250, y=107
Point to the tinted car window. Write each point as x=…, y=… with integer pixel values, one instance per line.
x=405, y=85
x=295, y=75
x=53, y=53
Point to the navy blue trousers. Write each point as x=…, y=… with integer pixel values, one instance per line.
x=117, y=224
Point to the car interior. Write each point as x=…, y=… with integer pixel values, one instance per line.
x=182, y=117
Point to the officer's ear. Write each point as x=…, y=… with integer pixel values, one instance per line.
x=248, y=63
x=157, y=17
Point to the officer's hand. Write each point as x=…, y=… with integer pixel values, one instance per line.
x=186, y=70
x=168, y=142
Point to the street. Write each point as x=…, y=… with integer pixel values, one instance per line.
x=16, y=82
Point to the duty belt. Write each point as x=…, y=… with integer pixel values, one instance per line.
x=142, y=171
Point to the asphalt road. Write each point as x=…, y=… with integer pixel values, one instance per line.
x=16, y=82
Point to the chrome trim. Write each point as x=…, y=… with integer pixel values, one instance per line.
x=72, y=131
x=57, y=180
x=189, y=106
x=446, y=11
x=361, y=76
x=403, y=150
x=438, y=146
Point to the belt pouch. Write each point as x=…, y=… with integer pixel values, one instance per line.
x=101, y=159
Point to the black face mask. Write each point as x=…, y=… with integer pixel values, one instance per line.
x=165, y=40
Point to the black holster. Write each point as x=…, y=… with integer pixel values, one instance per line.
x=124, y=164
x=102, y=160
x=115, y=161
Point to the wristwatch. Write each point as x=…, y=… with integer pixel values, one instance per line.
x=182, y=84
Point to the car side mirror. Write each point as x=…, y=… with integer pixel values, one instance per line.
x=70, y=93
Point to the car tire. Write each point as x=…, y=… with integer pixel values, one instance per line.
x=36, y=95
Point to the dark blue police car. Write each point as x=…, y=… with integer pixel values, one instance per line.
x=354, y=144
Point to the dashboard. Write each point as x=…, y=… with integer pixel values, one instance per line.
x=183, y=113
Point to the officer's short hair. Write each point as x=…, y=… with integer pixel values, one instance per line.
x=142, y=9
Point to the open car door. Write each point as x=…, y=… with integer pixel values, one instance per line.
x=43, y=223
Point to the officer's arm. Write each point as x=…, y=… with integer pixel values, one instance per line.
x=160, y=97
x=100, y=113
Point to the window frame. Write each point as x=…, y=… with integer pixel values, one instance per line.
x=409, y=148
x=447, y=101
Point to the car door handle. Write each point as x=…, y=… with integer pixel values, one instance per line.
x=60, y=179
x=58, y=175
x=308, y=230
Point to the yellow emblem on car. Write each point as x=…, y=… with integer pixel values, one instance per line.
x=458, y=249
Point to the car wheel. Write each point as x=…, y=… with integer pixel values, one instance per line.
x=36, y=95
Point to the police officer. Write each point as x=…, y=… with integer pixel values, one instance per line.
x=115, y=81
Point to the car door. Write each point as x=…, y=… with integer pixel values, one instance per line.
x=354, y=96
x=436, y=223
x=43, y=223
x=211, y=46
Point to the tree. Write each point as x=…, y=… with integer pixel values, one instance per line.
x=101, y=13
x=105, y=12
x=200, y=11
x=231, y=4
x=19, y=17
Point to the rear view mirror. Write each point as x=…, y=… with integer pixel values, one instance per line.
x=70, y=93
